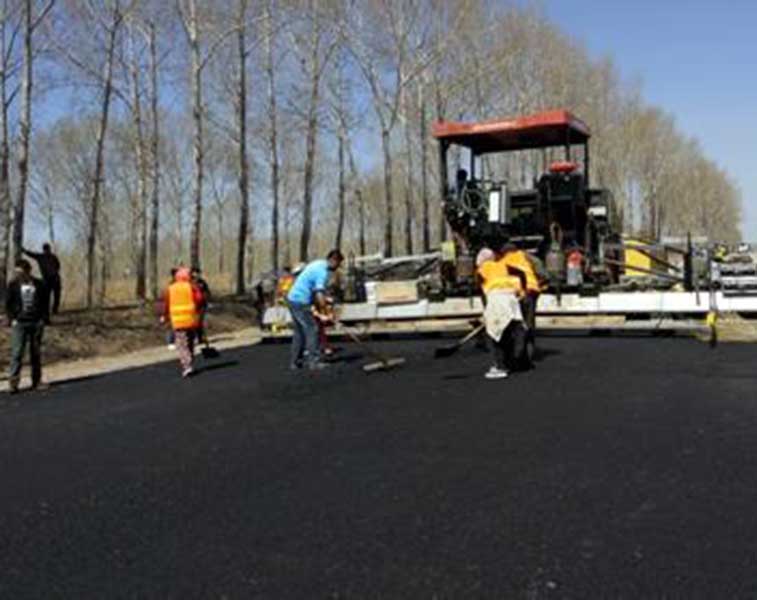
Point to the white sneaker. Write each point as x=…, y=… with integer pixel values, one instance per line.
x=496, y=373
x=187, y=372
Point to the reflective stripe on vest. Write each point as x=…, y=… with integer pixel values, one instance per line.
x=181, y=304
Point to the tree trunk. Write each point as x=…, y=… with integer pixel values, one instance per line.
x=51, y=223
x=408, y=174
x=24, y=135
x=221, y=257
x=424, y=170
x=358, y=199
x=251, y=249
x=197, y=117
x=140, y=152
x=273, y=139
x=442, y=169
x=310, y=146
x=287, y=229
x=5, y=194
x=341, y=191
x=155, y=198
x=388, y=194
x=100, y=154
x=244, y=177
x=361, y=210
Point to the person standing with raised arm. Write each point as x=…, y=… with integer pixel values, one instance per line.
x=49, y=268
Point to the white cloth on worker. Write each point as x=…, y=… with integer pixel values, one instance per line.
x=502, y=306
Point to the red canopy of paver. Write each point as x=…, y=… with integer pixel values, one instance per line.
x=542, y=130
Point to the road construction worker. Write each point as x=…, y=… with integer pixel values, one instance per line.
x=503, y=317
x=284, y=284
x=199, y=282
x=28, y=311
x=183, y=302
x=49, y=268
x=309, y=290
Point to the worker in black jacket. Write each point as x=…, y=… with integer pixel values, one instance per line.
x=49, y=268
x=27, y=307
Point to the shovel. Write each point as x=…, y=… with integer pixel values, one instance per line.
x=446, y=351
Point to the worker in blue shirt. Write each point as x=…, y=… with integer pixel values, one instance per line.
x=309, y=288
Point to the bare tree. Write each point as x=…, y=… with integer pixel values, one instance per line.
x=273, y=140
x=244, y=163
x=155, y=158
x=423, y=144
x=315, y=57
x=141, y=164
x=200, y=57
x=375, y=40
x=31, y=22
x=9, y=29
x=111, y=24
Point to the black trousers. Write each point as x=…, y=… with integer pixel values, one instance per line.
x=53, y=285
x=528, y=308
x=510, y=350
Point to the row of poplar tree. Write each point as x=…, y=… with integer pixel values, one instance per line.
x=242, y=135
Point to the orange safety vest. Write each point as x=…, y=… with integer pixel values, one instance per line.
x=520, y=261
x=182, y=307
x=495, y=275
x=285, y=284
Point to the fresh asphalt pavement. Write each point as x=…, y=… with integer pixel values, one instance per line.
x=616, y=468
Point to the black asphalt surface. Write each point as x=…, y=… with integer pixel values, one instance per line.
x=618, y=468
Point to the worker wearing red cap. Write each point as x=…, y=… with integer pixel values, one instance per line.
x=183, y=302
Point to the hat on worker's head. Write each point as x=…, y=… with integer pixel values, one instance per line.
x=483, y=255
x=183, y=274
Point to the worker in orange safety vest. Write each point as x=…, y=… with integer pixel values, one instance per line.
x=503, y=317
x=182, y=306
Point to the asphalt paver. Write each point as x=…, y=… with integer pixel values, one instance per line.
x=616, y=468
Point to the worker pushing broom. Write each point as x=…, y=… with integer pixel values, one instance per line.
x=503, y=288
x=307, y=292
x=306, y=299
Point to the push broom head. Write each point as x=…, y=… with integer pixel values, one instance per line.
x=383, y=365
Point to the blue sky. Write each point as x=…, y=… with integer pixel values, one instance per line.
x=697, y=59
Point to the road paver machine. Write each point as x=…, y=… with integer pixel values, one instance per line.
x=561, y=219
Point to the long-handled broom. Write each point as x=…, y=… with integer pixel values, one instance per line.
x=446, y=351
x=382, y=363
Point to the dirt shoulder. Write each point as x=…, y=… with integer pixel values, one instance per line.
x=118, y=335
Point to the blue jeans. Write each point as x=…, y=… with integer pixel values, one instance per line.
x=304, y=336
x=23, y=333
